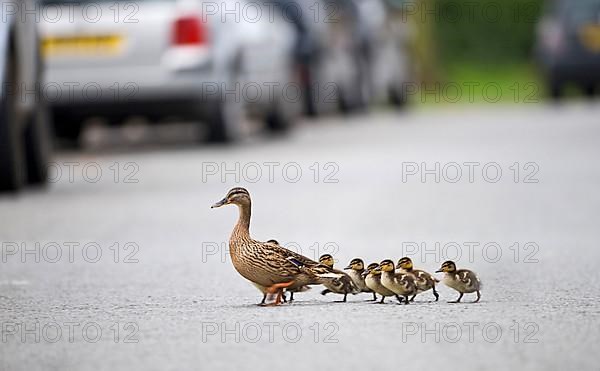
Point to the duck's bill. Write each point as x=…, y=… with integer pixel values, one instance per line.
x=439, y=271
x=348, y=267
x=219, y=204
x=364, y=274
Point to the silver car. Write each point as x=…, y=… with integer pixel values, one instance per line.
x=187, y=59
x=24, y=139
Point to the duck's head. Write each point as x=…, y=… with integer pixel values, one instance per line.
x=237, y=196
x=405, y=263
x=356, y=264
x=327, y=260
x=447, y=266
x=371, y=269
x=387, y=265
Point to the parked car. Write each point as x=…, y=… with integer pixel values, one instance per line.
x=328, y=55
x=24, y=138
x=568, y=44
x=384, y=35
x=182, y=59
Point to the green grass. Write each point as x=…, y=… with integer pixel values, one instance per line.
x=466, y=83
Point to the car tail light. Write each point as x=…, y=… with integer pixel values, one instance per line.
x=189, y=31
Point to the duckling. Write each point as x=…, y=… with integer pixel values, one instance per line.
x=462, y=280
x=373, y=281
x=270, y=267
x=356, y=269
x=345, y=285
x=424, y=280
x=291, y=291
x=402, y=284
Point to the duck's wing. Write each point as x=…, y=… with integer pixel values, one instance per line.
x=425, y=276
x=301, y=263
x=468, y=278
x=294, y=257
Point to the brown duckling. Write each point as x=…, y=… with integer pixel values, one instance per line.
x=344, y=285
x=462, y=280
x=402, y=284
x=424, y=280
x=355, y=269
x=373, y=281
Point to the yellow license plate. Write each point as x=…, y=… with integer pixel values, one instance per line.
x=590, y=37
x=82, y=45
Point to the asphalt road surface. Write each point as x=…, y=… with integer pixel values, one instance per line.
x=122, y=265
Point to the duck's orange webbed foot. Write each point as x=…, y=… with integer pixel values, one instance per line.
x=278, y=289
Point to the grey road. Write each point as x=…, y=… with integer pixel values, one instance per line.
x=122, y=265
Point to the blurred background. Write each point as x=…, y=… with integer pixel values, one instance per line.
x=360, y=127
x=83, y=76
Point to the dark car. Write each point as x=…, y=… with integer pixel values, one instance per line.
x=24, y=137
x=328, y=54
x=568, y=45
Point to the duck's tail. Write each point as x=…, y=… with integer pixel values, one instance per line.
x=337, y=281
x=333, y=279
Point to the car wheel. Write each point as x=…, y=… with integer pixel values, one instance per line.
x=555, y=89
x=225, y=121
x=589, y=90
x=67, y=129
x=397, y=96
x=278, y=120
x=12, y=156
x=38, y=146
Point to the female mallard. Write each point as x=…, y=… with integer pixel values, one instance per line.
x=373, y=281
x=344, y=285
x=402, y=284
x=356, y=269
x=270, y=267
x=424, y=280
x=462, y=280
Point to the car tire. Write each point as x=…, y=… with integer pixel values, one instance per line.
x=67, y=129
x=555, y=89
x=38, y=145
x=397, y=96
x=278, y=120
x=12, y=154
x=589, y=90
x=225, y=121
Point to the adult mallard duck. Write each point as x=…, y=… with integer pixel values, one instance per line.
x=402, y=284
x=462, y=280
x=355, y=269
x=373, y=281
x=423, y=280
x=344, y=285
x=270, y=267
